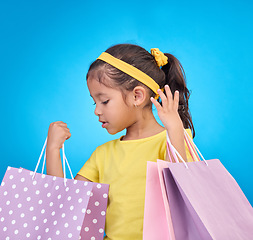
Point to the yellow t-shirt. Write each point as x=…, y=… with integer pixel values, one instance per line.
x=122, y=164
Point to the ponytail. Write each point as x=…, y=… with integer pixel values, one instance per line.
x=175, y=78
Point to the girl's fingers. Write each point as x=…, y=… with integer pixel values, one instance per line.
x=176, y=100
x=168, y=92
x=60, y=122
x=157, y=104
x=169, y=95
x=168, y=101
x=68, y=135
x=162, y=96
x=63, y=124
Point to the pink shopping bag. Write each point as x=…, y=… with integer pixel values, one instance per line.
x=206, y=202
x=39, y=206
x=157, y=221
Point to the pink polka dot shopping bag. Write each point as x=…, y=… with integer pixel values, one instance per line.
x=38, y=206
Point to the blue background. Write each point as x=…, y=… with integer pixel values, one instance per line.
x=46, y=48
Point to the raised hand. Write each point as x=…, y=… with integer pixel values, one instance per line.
x=168, y=111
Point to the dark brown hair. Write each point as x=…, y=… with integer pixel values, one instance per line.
x=172, y=74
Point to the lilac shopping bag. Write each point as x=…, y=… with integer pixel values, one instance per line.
x=206, y=202
x=39, y=206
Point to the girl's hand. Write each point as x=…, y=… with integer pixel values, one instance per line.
x=168, y=111
x=58, y=132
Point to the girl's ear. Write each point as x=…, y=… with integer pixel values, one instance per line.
x=139, y=94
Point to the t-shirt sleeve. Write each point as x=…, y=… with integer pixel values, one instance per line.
x=90, y=168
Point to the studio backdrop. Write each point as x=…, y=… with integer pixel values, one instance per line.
x=46, y=49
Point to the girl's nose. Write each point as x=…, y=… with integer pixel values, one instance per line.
x=97, y=111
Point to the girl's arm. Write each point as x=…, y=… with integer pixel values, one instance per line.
x=58, y=132
x=81, y=178
x=53, y=163
x=168, y=113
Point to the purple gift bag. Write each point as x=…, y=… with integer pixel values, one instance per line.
x=206, y=202
x=38, y=206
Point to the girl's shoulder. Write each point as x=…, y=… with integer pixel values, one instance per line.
x=107, y=145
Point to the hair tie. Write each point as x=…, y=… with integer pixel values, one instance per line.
x=159, y=56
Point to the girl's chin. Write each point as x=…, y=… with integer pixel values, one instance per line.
x=112, y=132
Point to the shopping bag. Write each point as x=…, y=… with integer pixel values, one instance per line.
x=39, y=206
x=206, y=202
x=157, y=222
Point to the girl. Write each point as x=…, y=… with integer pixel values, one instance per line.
x=124, y=82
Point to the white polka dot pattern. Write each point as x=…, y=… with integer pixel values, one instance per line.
x=95, y=217
x=44, y=208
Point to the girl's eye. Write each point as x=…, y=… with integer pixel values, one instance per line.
x=105, y=102
x=94, y=103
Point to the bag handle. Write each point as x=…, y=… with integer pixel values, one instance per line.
x=176, y=154
x=194, y=147
x=43, y=166
x=191, y=148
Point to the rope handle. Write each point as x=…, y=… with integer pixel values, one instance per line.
x=174, y=152
x=192, y=148
x=44, y=161
x=195, y=148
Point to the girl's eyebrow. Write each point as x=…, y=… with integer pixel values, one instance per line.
x=99, y=95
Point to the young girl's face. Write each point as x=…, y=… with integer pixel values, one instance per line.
x=114, y=113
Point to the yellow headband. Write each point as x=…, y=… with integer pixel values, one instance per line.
x=132, y=71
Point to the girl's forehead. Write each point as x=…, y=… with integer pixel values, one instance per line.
x=95, y=84
x=99, y=89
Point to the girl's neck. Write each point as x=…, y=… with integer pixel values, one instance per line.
x=145, y=126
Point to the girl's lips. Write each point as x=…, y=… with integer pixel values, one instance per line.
x=104, y=124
